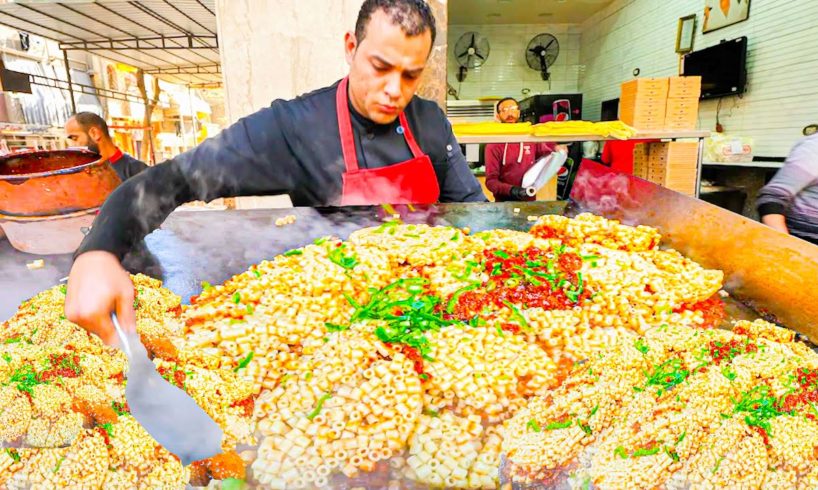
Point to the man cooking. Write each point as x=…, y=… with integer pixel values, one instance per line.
x=91, y=131
x=507, y=163
x=789, y=203
x=364, y=140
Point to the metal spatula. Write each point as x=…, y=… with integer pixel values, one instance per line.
x=168, y=414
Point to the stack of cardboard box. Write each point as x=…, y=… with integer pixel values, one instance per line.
x=643, y=103
x=672, y=164
x=683, y=103
x=661, y=104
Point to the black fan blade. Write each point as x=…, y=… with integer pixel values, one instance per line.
x=478, y=55
x=549, y=44
x=535, y=50
x=473, y=42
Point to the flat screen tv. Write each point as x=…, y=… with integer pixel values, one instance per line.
x=723, y=68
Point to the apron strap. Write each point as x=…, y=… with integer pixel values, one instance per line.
x=345, y=127
x=410, y=137
x=347, y=136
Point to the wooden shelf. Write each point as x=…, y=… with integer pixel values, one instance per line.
x=563, y=138
x=757, y=164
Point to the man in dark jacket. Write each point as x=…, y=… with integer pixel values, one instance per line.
x=91, y=131
x=364, y=140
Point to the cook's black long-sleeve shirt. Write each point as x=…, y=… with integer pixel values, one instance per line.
x=292, y=147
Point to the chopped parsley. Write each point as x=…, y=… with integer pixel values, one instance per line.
x=244, y=362
x=314, y=413
x=532, y=425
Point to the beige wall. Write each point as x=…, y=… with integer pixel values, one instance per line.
x=283, y=48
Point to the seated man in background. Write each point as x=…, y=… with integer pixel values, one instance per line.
x=91, y=131
x=507, y=163
x=789, y=203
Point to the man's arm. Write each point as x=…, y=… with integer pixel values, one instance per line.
x=494, y=157
x=134, y=167
x=460, y=185
x=250, y=157
x=800, y=170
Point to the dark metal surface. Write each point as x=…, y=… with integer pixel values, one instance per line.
x=774, y=273
x=196, y=246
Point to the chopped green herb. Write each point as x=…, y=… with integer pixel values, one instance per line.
x=517, y=315
x=6, y=357
x=317, y=409
x=25, y=379
x=290, y=253
x=456, y=296
x=13, y=340
x=339, y=257
x=502, y=254
x=533, y=426
x=559, y=425
x=681, y=438
x=308, y=376
x=119, y=408
x=233, y=484
x=647, y=451
x=456, y=236
x=728, y=373
x=331, y=327
x=431, y=413
x=642, y=346
x=668, y=374
x=13, y=454
x=672, y=454
x=237, y=297
x=108, y=428
x=59, y=464
x=590, y=257
x=585, y=427
x=594, y=410
x=320, y=241
x=250, y=309
x=620, y=451
x=424, y=376
x=718, y=465
x=63, y=289
x=244, y=362
x=206, y=286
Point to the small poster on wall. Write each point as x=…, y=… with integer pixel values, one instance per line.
x=723, y=13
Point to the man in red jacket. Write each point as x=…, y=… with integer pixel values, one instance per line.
x=507, y=163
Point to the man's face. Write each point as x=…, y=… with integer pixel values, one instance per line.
x=508, y=111
x=385, y=68
x=80, y=137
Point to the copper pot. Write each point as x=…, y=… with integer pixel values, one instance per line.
x=53, y=183
x=49, y=235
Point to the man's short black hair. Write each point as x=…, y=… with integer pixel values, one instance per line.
x=506, y=99
x=413, y=16
x=88, y=120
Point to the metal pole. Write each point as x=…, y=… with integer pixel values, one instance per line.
x=193, y=112
x=70, y=83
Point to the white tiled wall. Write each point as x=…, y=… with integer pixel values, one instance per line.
x=506, y=72
x=782, y=65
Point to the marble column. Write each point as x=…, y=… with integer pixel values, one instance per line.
x=433, y=85
x=283, y=48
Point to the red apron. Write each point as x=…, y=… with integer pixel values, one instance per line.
x=411, y=182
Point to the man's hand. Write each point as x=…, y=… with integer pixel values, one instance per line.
x=518, y=194
x=776, y=222
x=97, y=287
